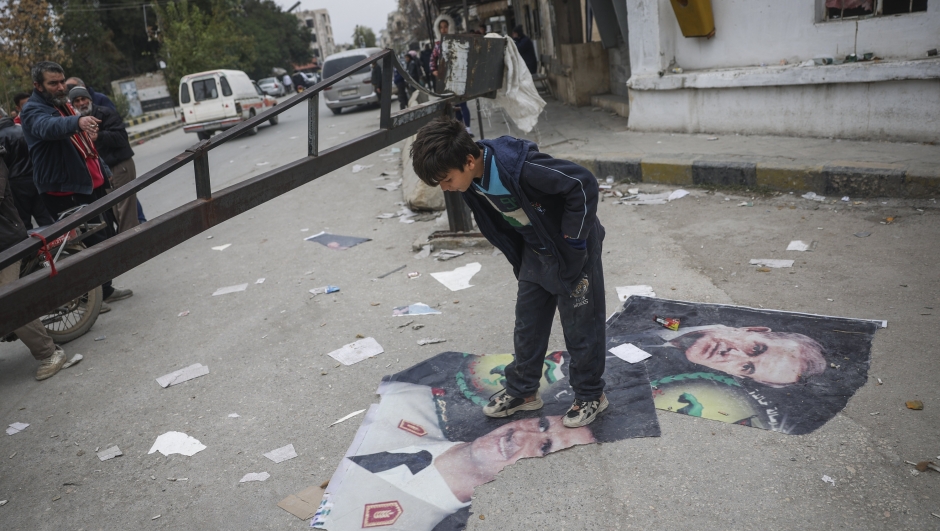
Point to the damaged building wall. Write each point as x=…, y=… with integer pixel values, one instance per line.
x=736, y=82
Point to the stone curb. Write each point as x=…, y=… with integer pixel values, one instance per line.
x=141, y=136
x=837, y=178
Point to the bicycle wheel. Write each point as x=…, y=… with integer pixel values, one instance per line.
x=74, y=318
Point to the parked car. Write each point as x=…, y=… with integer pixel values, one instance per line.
x=267, y=101
x=311, y=77
x=353, y=90
x=272, y=86
x=217, y=100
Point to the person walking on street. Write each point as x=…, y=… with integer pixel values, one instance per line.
x=426, y=66
x=67, y=170
x=526, y=49
x=96, y=97
x=114, y=147
x=402, y=87
x=377, y=79
x=25, y=196
x=34, y=335
x=288, y=85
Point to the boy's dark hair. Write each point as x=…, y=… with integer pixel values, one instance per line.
x=439, y=147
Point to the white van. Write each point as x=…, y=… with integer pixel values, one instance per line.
x=217, y=100
x=354, y=90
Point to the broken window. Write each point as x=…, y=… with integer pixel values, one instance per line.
x=843, y=9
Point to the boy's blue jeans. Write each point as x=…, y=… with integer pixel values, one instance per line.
x=583, y=315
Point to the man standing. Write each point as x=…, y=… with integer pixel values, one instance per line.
x=526, y=49
x=19, y=99
x=28, y=203
x=426, y=66
x=114, y=147
x=288, y=86
x=66, y=168
x=96, y=97
x=51, y=357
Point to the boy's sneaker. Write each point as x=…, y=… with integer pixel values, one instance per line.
x=504, y=405
x=584, y=412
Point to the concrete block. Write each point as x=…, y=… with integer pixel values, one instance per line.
x=623, y=170
x=724, y=173
x=666, y=171
x=861, y=181
x=791, y=178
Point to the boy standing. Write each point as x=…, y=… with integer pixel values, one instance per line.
x=541, y=213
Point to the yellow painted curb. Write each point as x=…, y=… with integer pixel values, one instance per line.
x=667, y=171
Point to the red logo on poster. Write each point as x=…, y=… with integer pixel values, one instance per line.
x=412, y=428
x=381, y=514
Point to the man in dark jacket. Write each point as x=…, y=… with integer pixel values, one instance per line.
x=377, y=78
x=96, y=97
x=50, y=356
x=114, y=147
x=541, y=213
x=526, y=49
x=28, y=203
x=426, y=66
x=67, y=170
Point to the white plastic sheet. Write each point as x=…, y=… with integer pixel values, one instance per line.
x=518, y=96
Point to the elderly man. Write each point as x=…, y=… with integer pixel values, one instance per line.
x=96, y=97
x=113, y=146
x=67, y=170
x=27, y=200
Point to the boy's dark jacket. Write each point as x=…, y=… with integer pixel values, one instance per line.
x=558, y=196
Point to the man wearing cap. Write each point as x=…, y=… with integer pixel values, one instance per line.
x=96, y=97
x=113, y=146
x=67, y=170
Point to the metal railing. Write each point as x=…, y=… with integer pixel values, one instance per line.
x=33, y=295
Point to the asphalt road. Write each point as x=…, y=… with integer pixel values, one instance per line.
x=266, y=350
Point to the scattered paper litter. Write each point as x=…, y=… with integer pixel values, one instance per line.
x=829, y=480
x=629, y=352
x=254, y=476
x=403, y=219
x=358, y=351
x=386, y=215
x=413, y=275
x=177, y=442
x=414, y=309
x=74, y=360
x=799, y=245
x=193, y=371
x=446, y=255
x=3, y=502
x=359, y=167
x=633, y=191
x=677, y=194
x=771, y=262
x=335, y=241
x=183, y=313
x=459, y=278
x=430, y=341
x=281, y=454
x=109, y=453
x=324, y=289
x=259, y=281
x=391, y=187
x=222, y=247
x=347, y=417
x=396, y=150
x=846, y=198
x=424, y=253
x=16, y=427
x=647, y=199
x=233, y=415
x=862, y=234
x=230, y=289
x=304, y=504
x=624, y=292
x=813, y=197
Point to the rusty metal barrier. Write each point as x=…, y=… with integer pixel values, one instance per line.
x=38, y=293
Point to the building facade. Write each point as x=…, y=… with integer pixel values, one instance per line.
x=321, y=40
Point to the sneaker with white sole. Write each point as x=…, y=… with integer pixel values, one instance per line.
x=51, y=365
x=583, y=412
x=504, y=405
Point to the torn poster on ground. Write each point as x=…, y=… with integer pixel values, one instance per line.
x=193, y=371
x=357, y=351
x=780, y=371
x=420, y=452
x=177, y=442
x=459, y=278
x=335, y=241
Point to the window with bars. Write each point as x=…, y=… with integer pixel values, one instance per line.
x=855, y=9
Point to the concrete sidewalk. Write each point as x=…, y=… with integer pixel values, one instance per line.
x=154, y=125
x=599, y=140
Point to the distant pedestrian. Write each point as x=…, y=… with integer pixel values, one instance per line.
x=300, y=83
x=426, y=66
x=25, y=196
x=19, y=99
x=526, y=49
x=34, y=335
x=67, y=170
x=377, y=79
x=288, y=86
x=402, y=87
x=114, y=147
x=96, y=97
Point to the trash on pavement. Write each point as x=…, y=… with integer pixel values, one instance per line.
x=73, y=361
x=304, y=504
x=357, y=351
x=101, y=338
x=667, y=322
x=424, y=252
x=230, y=289
x=397, y=269
x=109, y=453
x=233, y=415
x=260, y=281
x=177, y=442
x=395, y=150
x=914, y=404
x=418, y=308
x=923, y=466
x=359, y=167
x=222, y=247
x=677, y=194
x=813, y=197
x=630, y=353
x=386, y=215
x=193, y=371
x=745, y=204
x=324, y=289
x=347, y=417
x=413, y=275
x=771, y=262
x=282, y=454
x=633, y=191
x=254, y=476
x=16, y=427
x=459, y=278
x=336, y=242
x=406, y=324
x=829, y=480
x=447, y=254
x=430, y=341
x=799, y=245
x=862, y=234
x=624, y=292
x=846, y=198
x=183, y=313
x=766, y=270
x=391, y=187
